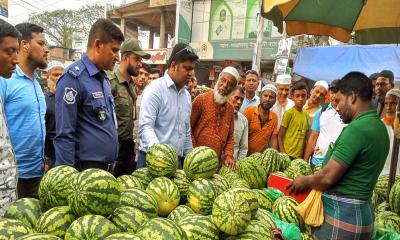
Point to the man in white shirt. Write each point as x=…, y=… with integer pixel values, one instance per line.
x=283, y=103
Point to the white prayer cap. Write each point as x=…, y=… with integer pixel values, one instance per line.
x=232, y=71
x=322, y=83
x=53, y=64
x=284, y=79
x=270, y=87
x=394, y=92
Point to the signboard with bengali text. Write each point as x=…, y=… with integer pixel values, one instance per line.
x=158, y=56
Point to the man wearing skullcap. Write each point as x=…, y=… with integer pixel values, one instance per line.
x=283, y=103
x=316, y=99
x=212, y=119
x=263, y=123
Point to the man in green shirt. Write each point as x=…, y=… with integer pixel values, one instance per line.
x=123, y=91
x=352, y=165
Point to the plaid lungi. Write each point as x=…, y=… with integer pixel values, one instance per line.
x=345, y=218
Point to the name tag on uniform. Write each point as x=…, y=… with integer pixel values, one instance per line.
x=97, y=95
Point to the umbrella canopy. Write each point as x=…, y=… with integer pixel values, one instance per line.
x=373, y=21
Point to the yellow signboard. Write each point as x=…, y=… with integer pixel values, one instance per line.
x=159, y=3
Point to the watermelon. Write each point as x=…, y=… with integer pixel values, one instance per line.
x=220, y=184
x=201, y=196
x=129, y=181
x=266, y=218
x=251, y=198
x=231, y=212
x=123, y=236
x=284, y=160
x=264, y=200
x=306, y=236
x=225, y=170
x=256, y=230
x=160, y=229
x=27, y=210
x=381, y=187
x=11, y=229
x=230, y=177
x=284, y=209
x=381, y=207
x=166, y=194
x=141, y=200
x=387, y=220
x=162, y=160
x=198, y=227
x=182, y=182
x=201, y=162
x=91, y=227
x=143, y=175
x=317, y=167
x=394, y=198
x=270, y=161
x=180, y=212
x=298, y=167
x=239, y=183
x=39, y=236
x=128, y=219
x=249, y=170
x=55, y=221
x=55, y=186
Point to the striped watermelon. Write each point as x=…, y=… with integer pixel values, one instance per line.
x=394, y=198
x=55, y=186
x=27, y=210
x=12, y=229
x=284, y=159
x=182, y=182
x=166, y=194
x=220, y=184
x=231, y=212
x=264, y=201
x=251, y=198
x=256, y=156
x=201, y=162
x=90, y=227
x=225, y=170
x=249, y=170
x=381, y=186
x=201, y=196
x=162, y=160
x=256, y=230
x=129, y=181
x=94, y=191
x=39, y=236
x=180, y=212
x=381, y=207
x=266, y=218
x=141, y=200
x=306, y=236
x=128, y=219
x=270, y=161
x=230, y=177
x=55, y=221
x=284, y=209
x=123, y=236
x=298, y=167
x=161, y=229
x=143, y=175
x=387, y=220
x=198, y=227
x=317, y=167
x=239, y=183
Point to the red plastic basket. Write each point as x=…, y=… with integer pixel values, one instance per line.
x=280, y=183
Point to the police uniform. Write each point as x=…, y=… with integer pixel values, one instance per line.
x=86, y=132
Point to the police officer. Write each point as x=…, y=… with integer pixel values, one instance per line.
x=123, y=90
x=86, y=132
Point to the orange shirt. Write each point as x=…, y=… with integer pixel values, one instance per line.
x=213, y=125
x=259, y=136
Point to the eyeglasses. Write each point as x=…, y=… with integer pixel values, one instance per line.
x=188, y=49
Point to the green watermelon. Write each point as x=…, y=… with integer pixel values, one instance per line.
x=256, y=155
x=161, y=229
x=198, y=227
x=55, y=186
x=239, y=183
x=93, y=227
x=256, y=230
x=251, y=198
x=11, y=229
x=284, y=209
x=141, y=200
x=230, y=177
x=128, y=219
x=225, y=170
x=394, y=198
x=201, y=196
x=387, y=220
x=143, y=175
x=129, y=181
x=381, y=187
x=39, y=236
x=381, y=207
x=220, y=184
x=249, y=170
x=55, y=221
x=270, y=161
x=306, y=236
x=123, y=236
x=297, y=168
x=180, y=212
x=162, y=160
x=182, y=182
x=284, y=159
x=94, y=191
x=317, y=167
x=201, y=162
x=166, y=194
x=266, y=218
x=27, y=210
x=264, y=201
x=231, y=212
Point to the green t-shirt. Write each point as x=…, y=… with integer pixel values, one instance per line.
x=296, y=124
x=362, y=147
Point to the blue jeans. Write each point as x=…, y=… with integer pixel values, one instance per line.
x=141, y=162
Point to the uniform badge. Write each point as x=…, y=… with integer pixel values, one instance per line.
x=102, y=115
x=70, y=95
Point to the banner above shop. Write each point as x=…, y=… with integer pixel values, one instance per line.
x=4, y=8
x=157, y=56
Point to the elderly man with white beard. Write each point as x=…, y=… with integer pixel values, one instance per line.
x=212, y=119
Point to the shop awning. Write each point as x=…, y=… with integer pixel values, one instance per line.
x=333, y=62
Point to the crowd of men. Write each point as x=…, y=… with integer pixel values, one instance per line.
x=106, y=111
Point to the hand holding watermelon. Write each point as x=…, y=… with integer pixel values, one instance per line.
x=230, y=163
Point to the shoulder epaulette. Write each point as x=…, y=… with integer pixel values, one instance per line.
x=76, y=69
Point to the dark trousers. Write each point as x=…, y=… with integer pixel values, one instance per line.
x=126, y=158
x=83, y=165
x=28, y=187
x=141, y=163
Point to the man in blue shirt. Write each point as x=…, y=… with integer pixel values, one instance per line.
x=25, y=109
x=86, y=132
x=166, y=106
x=251, y=85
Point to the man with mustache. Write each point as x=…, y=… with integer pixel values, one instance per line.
x=123, y=90
x=86, y=132
x=212, y=118
x=317, y=98
x=25, y=108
